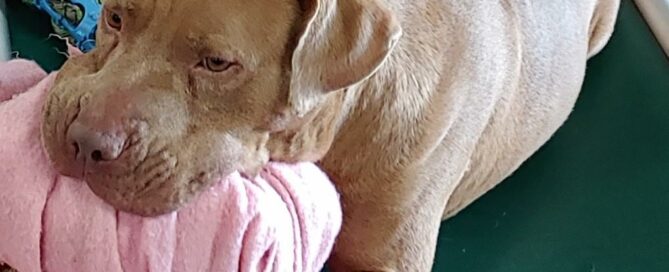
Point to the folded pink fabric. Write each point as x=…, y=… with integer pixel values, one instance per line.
x=284, y=220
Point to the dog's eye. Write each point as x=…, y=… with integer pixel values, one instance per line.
x=114, y=20
x=216, y=64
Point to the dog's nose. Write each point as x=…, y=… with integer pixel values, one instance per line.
x=93, y=145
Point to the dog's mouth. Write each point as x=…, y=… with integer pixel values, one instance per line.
x=155, y=193
x=165, y=179
x=141, y=173
x=150, y=177
x=146, y=179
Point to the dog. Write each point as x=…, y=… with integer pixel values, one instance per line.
x=414, y=108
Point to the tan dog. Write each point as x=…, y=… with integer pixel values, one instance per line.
x=415, y=108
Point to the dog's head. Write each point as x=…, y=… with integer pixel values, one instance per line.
x=180, y=93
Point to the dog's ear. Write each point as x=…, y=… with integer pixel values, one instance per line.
x=341, y=43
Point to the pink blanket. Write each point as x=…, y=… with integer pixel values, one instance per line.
x=284, y=220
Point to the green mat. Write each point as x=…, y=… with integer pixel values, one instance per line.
x=595, y=198
x=29, y=36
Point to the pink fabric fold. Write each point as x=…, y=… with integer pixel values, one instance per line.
x=286, y=219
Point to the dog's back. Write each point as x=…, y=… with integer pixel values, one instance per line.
x=538, y=72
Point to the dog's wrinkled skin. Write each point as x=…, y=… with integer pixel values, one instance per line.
x=415, y=108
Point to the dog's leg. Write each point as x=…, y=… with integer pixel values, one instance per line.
x=383, y=236
x=392, y=220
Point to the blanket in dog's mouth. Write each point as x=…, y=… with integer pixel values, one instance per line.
x=286, y=218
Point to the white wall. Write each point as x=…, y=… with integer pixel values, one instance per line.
x=5, y=51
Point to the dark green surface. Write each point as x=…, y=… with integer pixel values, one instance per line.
x=29, y=35
x=595, y=198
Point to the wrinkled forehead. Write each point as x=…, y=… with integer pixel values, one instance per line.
x=251, y=24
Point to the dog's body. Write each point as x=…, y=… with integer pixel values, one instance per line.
x=415, y=108
x=452, y=113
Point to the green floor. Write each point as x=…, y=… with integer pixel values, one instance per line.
x=595, y=198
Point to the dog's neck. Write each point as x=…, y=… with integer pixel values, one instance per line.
x=312, y=138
